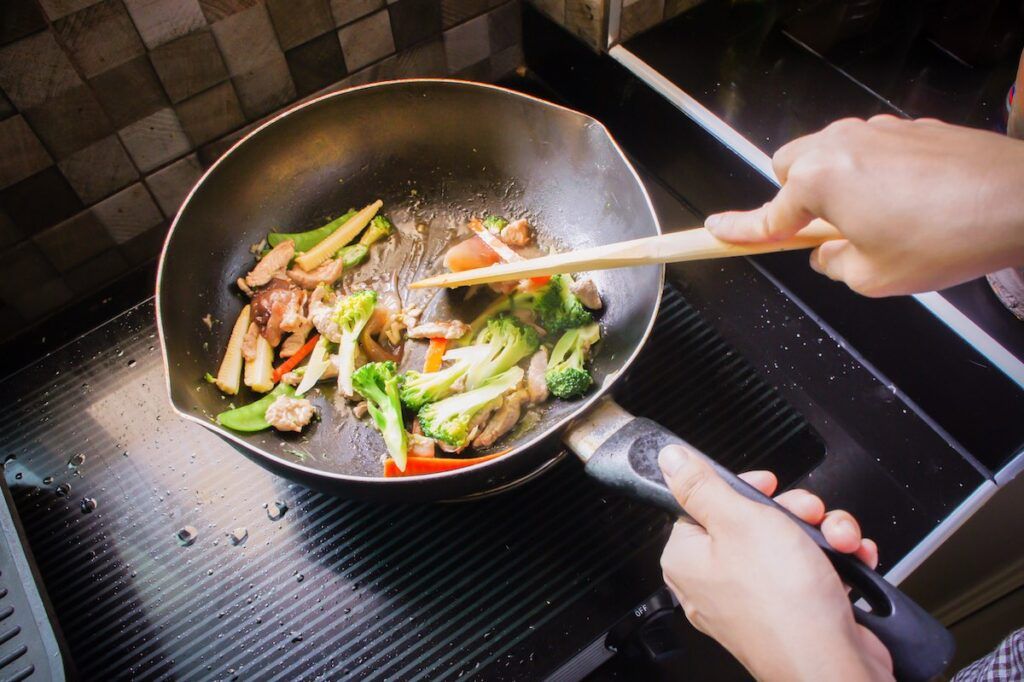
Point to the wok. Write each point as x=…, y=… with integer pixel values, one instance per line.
x=435, y=152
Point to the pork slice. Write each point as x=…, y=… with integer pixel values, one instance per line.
x=271, y=264
x=587, y=292
x=444, y=329
x=517, y=233
x=502, y=421
x=289, y=414
x=536, y=384
x=420, y=446
x=327, y=272
x=321, y=313
x=296, y=340
x=249, y=341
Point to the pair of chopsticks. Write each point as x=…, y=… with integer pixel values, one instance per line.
x=694, y=244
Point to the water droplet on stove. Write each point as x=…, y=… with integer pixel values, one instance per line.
x=48, y=480
x=18, y=476
x=209, y=572
x=76, y=461
x=63, y=490
x=88, y=504
x=296, y=636
x=275, y=510
x=132, y=363
x=124, y=454
x=299, y=578
x=186, y=535
x=238, y=535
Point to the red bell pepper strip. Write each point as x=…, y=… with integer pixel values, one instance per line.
x=290, y=364
x=418, y=466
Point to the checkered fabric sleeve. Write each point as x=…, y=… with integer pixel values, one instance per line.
x=1004, y=664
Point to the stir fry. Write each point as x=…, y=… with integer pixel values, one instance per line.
x=479, y=378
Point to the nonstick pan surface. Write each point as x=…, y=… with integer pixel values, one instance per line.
x=436, y=152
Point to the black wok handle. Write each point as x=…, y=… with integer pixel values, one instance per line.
x=627, y=460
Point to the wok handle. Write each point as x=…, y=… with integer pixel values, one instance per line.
x=626, y=459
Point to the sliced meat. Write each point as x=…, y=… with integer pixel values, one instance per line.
x=327, y=272
x=294, y=317
x=420, y=446
x=321, y=313
x=244, y=287
x=249, y=341
x=439, y=329
x=517, y=233
x=360, y=409
x=478, y=421
x=469, y=254
x=503, y=420
x=289, y=414
x=296, y=340
x=273, y=303
x=271, y=264
x=536, y=384
x=292, y=378
x=587, y=292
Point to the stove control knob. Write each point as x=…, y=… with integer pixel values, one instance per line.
x=654, y=629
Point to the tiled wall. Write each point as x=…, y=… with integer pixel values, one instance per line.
x=111, y=109
x=640, y=15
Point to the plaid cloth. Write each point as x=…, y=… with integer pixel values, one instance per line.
x=1004, y=664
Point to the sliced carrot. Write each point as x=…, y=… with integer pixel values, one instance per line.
x=538, y=282
x=435, y=353
x=470, y=254
x=292, y=362
x=418, y=466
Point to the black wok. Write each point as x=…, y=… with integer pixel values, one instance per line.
x=436, y=152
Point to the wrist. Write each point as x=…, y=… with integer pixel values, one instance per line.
x=838, y=657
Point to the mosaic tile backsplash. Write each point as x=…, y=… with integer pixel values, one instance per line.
x=110, y=110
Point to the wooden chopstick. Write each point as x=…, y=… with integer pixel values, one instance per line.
x=693, y=244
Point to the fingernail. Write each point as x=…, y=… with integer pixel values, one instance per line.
x=713, y=221
x=671, y=459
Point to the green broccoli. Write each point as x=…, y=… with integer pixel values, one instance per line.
x=507, y=341
x=353, y=255
x=566, y=376
x=378, y=383
x=557, y=308
x=419, y=388
x=450, y=420
x=352, y=314
x=494, y=224
x=380, y=227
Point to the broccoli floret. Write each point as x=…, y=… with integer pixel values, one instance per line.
x=352, y=314
x=378, y=383
x=419, y=388
x=353, y=255
x=494, y=224
x=506, y=341
x=379, y=228
x=566, y=376
x=557, y=308
x=449, y=420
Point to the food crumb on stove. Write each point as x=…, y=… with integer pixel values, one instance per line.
x=186, y=535
x=238, y=535
x=208, y=321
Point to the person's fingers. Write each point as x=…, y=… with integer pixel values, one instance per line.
x=764, y=481
x=787, y=155
x=842, y=531
x=842, y=261
x=805, y=506
x=782, y=217
x=702, y=493
x=868, y=553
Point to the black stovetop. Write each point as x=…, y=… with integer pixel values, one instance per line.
x=511, y=587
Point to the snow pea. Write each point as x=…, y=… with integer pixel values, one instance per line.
x=304, y=241
x=353, y=255
x=252, y=417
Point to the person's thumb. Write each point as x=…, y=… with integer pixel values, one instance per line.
x=782, y=217
x=702, y=493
